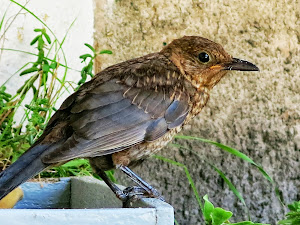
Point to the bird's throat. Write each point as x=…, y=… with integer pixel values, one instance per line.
x=199, y=100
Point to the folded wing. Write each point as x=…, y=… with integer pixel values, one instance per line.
x=114, y=116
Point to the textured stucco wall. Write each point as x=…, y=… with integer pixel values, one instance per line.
x=257, y=113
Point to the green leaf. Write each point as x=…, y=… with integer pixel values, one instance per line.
x=3, y=94
x=41, y=56
x=47, y=37
x=222, y=175
x=83, y=76
x=38, y=30
x=76, y=163
x=30, y=70
x=244, y=223
x=44, y=78
x=295, y=206
x=34, y=40
x=3, y=17
x=232, y=187
x=208, y=209
x=85, y=56
x=188, y=175
x=90, y=47
x=105, y=52
x=110, y=174
x=46, y=68
x=293, y=217
x=220, y=216
x=89, y=68
x=248, y=223
x=40, y=43
x=31, y=139
x=42, y=101
x=53, y=65
x=230, y=150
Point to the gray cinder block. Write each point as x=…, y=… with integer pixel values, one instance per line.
x=85, y=200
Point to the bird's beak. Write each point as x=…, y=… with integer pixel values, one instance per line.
x=241, y=65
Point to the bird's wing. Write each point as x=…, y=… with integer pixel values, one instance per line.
x=118, y=114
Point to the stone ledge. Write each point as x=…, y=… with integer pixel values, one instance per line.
x=84, y=200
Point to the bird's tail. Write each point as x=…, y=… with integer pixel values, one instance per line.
x=27, y=166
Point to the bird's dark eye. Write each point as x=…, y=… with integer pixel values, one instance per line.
x=203, y=57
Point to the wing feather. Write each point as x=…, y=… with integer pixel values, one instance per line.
x=117, y=114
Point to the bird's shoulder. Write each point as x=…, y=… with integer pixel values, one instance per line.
x=150, y=71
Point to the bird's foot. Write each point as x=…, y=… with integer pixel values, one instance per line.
x=131, y=194
x=136, y=190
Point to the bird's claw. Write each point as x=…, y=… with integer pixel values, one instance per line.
x=136, y=190
x=132, y=194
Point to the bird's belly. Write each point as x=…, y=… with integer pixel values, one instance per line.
x=144, y=150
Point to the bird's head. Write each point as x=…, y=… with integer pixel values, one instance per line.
x=202, y=61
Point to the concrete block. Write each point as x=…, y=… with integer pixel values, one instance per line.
x=84, y=200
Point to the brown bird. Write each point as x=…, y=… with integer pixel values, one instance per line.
x=128, y=112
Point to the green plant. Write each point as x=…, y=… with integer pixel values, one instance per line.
x=15, y=138
x=88, y=69
x=42, y=81
x=46, y=86
x=218, y=216
x=292, y=217
x=235, y=152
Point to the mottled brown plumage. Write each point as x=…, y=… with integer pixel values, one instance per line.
x=129, y=111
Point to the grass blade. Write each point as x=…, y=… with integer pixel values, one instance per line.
x=188, y=175
x=35, y=16
x=241, y=156
x=221, y=174
x=30, y=53
x=233, y=189
x=2, y=20
x=231, y=151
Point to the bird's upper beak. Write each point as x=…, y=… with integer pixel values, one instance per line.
x=241, y=65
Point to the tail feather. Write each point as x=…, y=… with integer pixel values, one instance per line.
x=27, y=166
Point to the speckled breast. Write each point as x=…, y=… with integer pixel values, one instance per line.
x=143, y=151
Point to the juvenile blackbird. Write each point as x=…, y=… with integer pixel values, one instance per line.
x=128, y=112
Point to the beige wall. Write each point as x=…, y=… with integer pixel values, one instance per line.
x=257, y=113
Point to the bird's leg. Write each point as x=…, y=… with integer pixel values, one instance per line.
x=151, y=192
x=118, y=192
x=127, y=196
